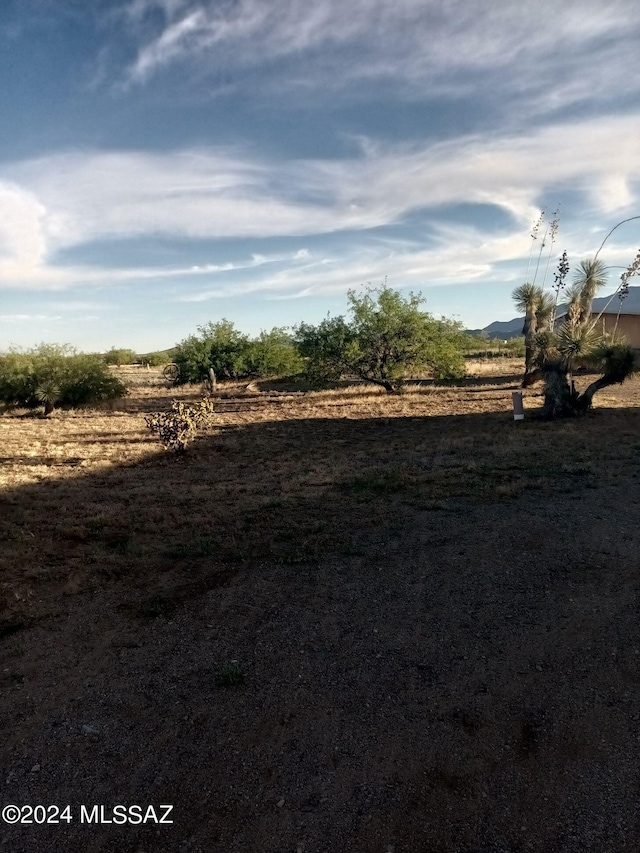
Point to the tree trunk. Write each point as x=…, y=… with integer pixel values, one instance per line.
x=388, y=386
x=586, y=399
x=560, y=398
x=529, y=332
x=48, y=408
x=532, y=377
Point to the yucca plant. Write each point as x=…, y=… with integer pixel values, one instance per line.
x=538, y=307
x=48, y=394
x=554, y=350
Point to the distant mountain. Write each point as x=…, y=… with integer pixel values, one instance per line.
x=513, y=328
x=506, y=330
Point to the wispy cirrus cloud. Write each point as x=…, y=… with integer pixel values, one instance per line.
x=577, y=49
x=62, y=202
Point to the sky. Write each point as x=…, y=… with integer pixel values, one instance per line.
x=167, y=163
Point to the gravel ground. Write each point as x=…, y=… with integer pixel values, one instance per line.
x=466, y=679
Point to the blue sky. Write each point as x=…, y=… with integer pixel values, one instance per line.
x=164, y=163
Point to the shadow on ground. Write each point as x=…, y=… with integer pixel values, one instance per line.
x=398, y=634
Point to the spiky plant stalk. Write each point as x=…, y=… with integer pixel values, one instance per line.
x=542, y=245
x=559, y=282
x=629, y=268
x=534, y=236
x=553, y=232
x=623, y=289
x=623, y=292
x=630, y=219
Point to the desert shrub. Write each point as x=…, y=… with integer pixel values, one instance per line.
x=53, y=374
x=120, y=356
x=157, y=359
x=178, y=427
x=233, y=355
x=216, y=345
x=273, y=354
x=515, y=347
x=480, y=347
x=327, y=349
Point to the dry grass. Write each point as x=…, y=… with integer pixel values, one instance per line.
x=500, y=366
x=84, y=491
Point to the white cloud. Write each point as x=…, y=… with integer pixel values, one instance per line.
x=64, y=201
x=22, y=242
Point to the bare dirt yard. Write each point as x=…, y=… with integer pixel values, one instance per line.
x=342, y=621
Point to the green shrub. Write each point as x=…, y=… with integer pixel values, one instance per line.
x=120, y=356
x=515, y=347
x=217, y=345
x=327, y=349
x=273, y=354
x=53, y=374
x=157, y=359
x=233, y=355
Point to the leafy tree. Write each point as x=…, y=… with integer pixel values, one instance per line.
x=328, y=348
x=217, y=345
x=51, y=374
x=272, y=354
x=387, y=338
x=157, y=359
x=120, y=356
x=233, y=355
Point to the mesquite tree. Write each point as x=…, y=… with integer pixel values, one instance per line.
x=387, y=338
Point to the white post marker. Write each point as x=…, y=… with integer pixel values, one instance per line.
x=518, y=408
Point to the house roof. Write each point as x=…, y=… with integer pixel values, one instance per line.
x=630, y=305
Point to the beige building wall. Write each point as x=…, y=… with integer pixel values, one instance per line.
x=628, y=325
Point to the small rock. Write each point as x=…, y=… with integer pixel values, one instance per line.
x=280, y=803
x=89, y=730
x=35, y=768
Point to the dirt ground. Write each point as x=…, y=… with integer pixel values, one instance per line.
x=342, y=621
